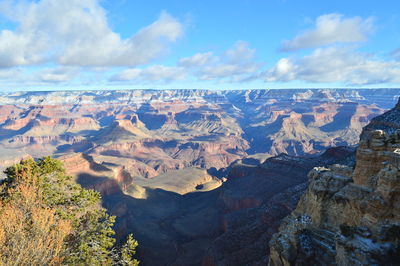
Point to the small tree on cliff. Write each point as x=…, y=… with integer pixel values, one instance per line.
x=48, y=219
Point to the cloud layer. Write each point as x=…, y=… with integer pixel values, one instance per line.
x=76, y=33
x=156, y=73
x=334, y=58
x=331, y=29
x=335, y=64
x=235, y=64
x=71, y=42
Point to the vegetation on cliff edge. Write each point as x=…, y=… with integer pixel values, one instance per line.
x=46, y=218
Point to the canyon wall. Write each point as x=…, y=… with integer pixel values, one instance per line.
x=349, y=216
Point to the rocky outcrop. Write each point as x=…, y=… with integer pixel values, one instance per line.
x=349, y=216
x=389, y=122
x=182, y=181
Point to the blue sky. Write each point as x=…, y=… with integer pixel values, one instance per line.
x=236, y=44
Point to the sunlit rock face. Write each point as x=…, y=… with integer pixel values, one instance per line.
x=349, y=216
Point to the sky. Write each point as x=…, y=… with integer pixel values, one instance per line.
x=187, y=44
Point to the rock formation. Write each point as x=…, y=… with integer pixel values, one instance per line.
x=169, y=129
x=349, y=216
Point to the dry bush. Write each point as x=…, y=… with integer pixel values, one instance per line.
x=30, y=233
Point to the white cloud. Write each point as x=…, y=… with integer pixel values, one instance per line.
x=127, y=74
x=76, y=33
x=19, y=76
x=156, y=73
x=235, y=64
x=240, y=52
x=335, y=64
x=198, y=59
x=57, y=75
x=284, y=70
x=233, y=72
x=330, y=29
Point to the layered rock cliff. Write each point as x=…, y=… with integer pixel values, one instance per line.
x=161, y=130
x=349, y=216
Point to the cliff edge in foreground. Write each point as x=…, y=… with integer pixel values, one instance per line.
x=349, y=217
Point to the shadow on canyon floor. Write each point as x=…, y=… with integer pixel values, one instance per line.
x=230, y=225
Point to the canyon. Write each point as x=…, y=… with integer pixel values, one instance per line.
x=201, y=177
x=148, y=132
